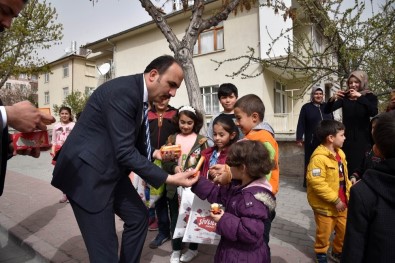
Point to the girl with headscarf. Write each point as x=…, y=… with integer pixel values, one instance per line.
x=310, y=115
x=358, y=105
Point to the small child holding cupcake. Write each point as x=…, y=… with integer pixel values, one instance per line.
x=248, y=204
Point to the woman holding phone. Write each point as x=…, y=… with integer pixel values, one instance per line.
x=358, y=105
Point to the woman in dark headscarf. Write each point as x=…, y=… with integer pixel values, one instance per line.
x=310, y=115
x=358, y=105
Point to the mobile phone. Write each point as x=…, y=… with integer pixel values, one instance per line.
x=346, y=93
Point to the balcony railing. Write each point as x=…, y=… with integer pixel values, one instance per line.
x=283, y=122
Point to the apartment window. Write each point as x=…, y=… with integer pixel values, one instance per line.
x=23, y=88
x=328, y=87
x=90, y=70
x=8, y=85
x=65, y=92
x=23, y=76
x=317, y=41
x=210, y=40
x=33, y=77
x=210, y=99
x=46, y=97
x=65, y=70
x=280, y=98
x=46, y=77
x=89, y=90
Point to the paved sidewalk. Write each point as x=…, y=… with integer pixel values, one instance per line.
x=30, y=213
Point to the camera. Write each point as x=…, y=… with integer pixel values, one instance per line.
x=346, y=93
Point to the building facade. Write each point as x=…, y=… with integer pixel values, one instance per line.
x=68, y=74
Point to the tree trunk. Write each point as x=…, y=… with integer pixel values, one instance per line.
x=192, y=83
x=183, y=50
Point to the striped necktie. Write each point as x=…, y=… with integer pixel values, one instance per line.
x=147, y=132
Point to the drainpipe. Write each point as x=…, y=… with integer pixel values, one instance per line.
x=113, y=54
x=72, y=75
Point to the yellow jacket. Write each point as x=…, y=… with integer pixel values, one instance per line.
x=323, y=181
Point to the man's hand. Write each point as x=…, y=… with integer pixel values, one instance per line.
x=33, y=152
x=25, y=117
x=183, y=179
x=220, y=174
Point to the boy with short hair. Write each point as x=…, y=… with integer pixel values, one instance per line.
x=328, y=189
x=370, y=235
x=227, y=96
x=250, y=112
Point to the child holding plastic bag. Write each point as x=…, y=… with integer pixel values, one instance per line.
x=189, y=121
x=247, y=204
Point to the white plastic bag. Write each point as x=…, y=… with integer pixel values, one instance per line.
x=187, y=198
x=201, y=227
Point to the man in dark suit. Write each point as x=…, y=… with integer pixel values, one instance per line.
x=22, y=116
x=106, y=144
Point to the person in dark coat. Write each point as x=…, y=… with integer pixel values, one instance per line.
x=247, y=205
x=310, y=115
x=370, y=232
x=358, y=106
x=106, y=144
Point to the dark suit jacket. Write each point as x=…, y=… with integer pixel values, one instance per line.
x=106, y=144
x=5, y=153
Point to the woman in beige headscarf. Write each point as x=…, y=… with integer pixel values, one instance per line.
x=358, y=105
x=310, y=116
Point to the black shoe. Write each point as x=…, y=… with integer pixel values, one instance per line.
x=321, y=258
x=335, y=257
x=158, y=241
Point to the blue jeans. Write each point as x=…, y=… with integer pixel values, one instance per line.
x=151, y=211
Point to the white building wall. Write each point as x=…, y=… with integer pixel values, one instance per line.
x=241, y=32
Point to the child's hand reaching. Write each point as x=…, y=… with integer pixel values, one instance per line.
x=340, y=206
x=221, y=174
x=217, y=216
x=178, y=169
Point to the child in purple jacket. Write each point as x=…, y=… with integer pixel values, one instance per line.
x=248, y=205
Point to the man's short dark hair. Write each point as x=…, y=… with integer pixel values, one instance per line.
x=161, y=64
x=251, y=103
x=226, y=89
x=384, y=134
x=328, y=127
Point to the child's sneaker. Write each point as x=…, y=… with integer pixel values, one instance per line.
x=189, y=255
x=175, y=256
x=321, y=258
x=335, y=257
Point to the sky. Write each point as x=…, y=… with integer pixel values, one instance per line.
x=84, y=23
